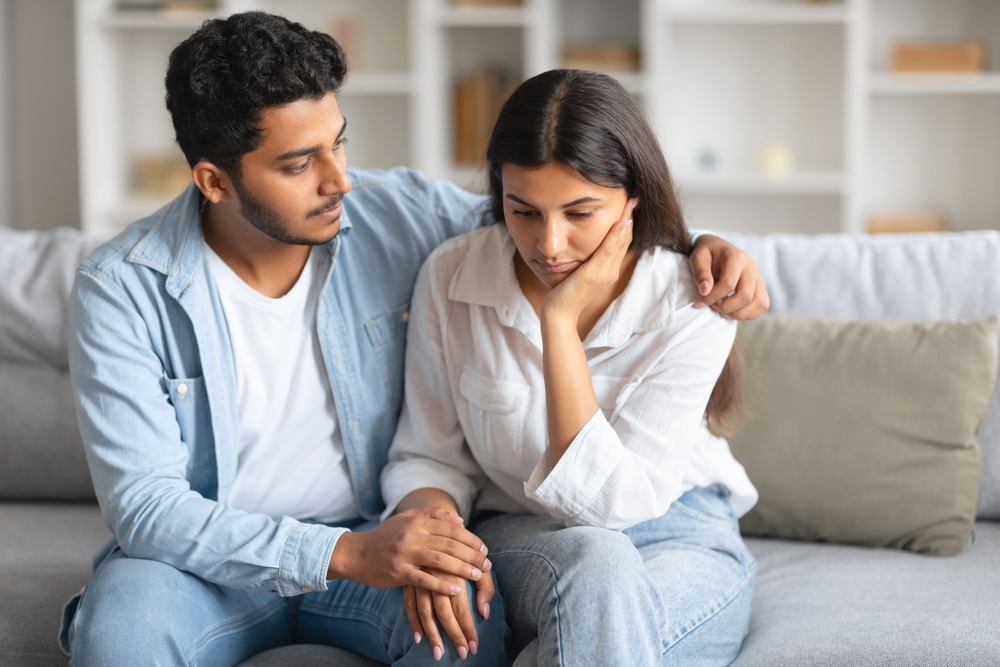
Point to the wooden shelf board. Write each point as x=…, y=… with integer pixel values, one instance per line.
x=143, y=20
x=934, y=84
x=484, y=17
x=378, y=83
x=817, y=182
x=758, y=15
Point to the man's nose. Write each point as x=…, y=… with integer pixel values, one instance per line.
x=334, y=178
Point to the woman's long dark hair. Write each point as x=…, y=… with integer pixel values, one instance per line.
x=588, y=122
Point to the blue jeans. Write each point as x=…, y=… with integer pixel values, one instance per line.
x=671, y=591
x=144, y=612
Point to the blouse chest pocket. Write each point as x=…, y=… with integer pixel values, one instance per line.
x=387, y=335
x=498, y=411
x=190, y=401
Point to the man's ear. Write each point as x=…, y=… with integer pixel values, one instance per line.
x=213, y=182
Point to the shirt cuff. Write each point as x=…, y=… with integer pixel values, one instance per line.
x=305, y=559
x=568, y=489
x=403, y=477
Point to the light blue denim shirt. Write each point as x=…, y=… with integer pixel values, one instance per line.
x=153, y=373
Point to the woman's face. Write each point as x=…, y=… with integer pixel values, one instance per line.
x=557, y=217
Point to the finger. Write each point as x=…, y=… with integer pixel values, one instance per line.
x=436, y=557
x=742, y=296
x=752, y=310
x=484, y=595
x=444, y=607
x=456, y=549
x=726, y=283
x=701, y=268
x=421, y=579
x=459, y=534
x=410, y=604
x=425, y=608
x=436, y=513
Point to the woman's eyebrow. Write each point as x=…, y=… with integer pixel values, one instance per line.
x=575, y=202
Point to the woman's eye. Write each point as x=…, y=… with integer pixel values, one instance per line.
x=340, y=144
x=580, y=215
x=524, y=214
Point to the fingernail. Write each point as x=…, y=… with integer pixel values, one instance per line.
x=486, y=610
x=463, y=653
x=699, y=304
x=417, y=637
x=487, y=565
x=473, y=647
x=704, y=288
x=483, y=550
x=476, y=573
x=455, y=590
x=438, y=652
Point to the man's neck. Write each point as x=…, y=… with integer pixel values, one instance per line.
x=265, y=264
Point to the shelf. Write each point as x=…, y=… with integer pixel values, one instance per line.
x=812, y=182
x=935, y=84
x=757, y=14
x=633, y=82
x=150, y=20
x=378, y=83
x=483, y=17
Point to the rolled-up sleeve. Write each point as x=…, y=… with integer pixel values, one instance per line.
x=629, y=468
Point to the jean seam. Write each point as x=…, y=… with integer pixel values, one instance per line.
x=728, y=599
x=555, y=591
x=704, y=516
x=230, y=628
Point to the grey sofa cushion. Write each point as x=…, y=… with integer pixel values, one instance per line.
x=46, y=552
x=825, y=605
x=893, y=276
x=38, y=271
x=41, y=452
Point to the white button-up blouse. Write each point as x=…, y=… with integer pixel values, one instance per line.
x=474, y=424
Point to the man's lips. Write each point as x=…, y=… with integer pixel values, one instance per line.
x=330, y=212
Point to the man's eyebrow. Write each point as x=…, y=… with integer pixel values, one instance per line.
x=575, y=202
x=302, y=152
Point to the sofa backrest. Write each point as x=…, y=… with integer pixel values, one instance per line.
x=906, y=277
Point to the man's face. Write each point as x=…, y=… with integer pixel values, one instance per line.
x=292, y=185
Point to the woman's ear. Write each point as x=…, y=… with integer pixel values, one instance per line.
x=212, y=181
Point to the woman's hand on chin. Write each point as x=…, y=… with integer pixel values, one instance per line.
x=599, y=273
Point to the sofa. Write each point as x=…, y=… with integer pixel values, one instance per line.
x=815, y=604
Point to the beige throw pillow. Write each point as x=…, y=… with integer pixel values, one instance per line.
x=864, y=432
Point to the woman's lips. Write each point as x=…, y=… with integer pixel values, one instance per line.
x=554, y=268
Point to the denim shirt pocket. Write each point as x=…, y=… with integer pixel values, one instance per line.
x=387, y=334
x=189, y=398
x=498, y=410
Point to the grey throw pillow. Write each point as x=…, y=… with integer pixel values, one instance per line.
x=864, y=432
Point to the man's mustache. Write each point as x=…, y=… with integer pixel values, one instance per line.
x=329, y=206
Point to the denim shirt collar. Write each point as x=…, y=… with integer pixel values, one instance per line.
x=173, y=246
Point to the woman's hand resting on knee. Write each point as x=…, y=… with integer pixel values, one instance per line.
x=426, y=608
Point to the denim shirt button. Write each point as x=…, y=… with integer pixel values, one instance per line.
x=306, y=589
x=182, y=389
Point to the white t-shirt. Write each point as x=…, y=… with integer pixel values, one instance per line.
x=291, y=454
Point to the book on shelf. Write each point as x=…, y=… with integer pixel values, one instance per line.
x=477, y=102
x=603, y=58
x=906, y=223
x=939, y=57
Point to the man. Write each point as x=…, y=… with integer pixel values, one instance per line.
x=237, y=359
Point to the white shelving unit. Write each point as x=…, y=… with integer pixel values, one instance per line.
x=718, y=78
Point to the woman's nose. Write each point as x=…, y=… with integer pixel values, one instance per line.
x=552, y=240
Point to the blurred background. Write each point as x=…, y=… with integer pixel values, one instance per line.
x=775, y=115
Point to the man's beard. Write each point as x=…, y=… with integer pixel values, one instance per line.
x=270, y=222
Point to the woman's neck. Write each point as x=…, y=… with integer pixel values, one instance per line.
x=535, y=291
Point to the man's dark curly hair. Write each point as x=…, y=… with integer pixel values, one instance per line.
x=222, y=78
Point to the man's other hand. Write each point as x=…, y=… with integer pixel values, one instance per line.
x=728, y=279
x=395, y=552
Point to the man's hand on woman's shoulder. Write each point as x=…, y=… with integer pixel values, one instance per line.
x=728, y=279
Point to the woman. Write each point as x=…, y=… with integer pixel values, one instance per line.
x=558, y=385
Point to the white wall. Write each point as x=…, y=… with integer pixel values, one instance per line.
x=42, y=169
x=5, y=127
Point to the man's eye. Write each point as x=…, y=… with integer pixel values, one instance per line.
x=297, y=169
